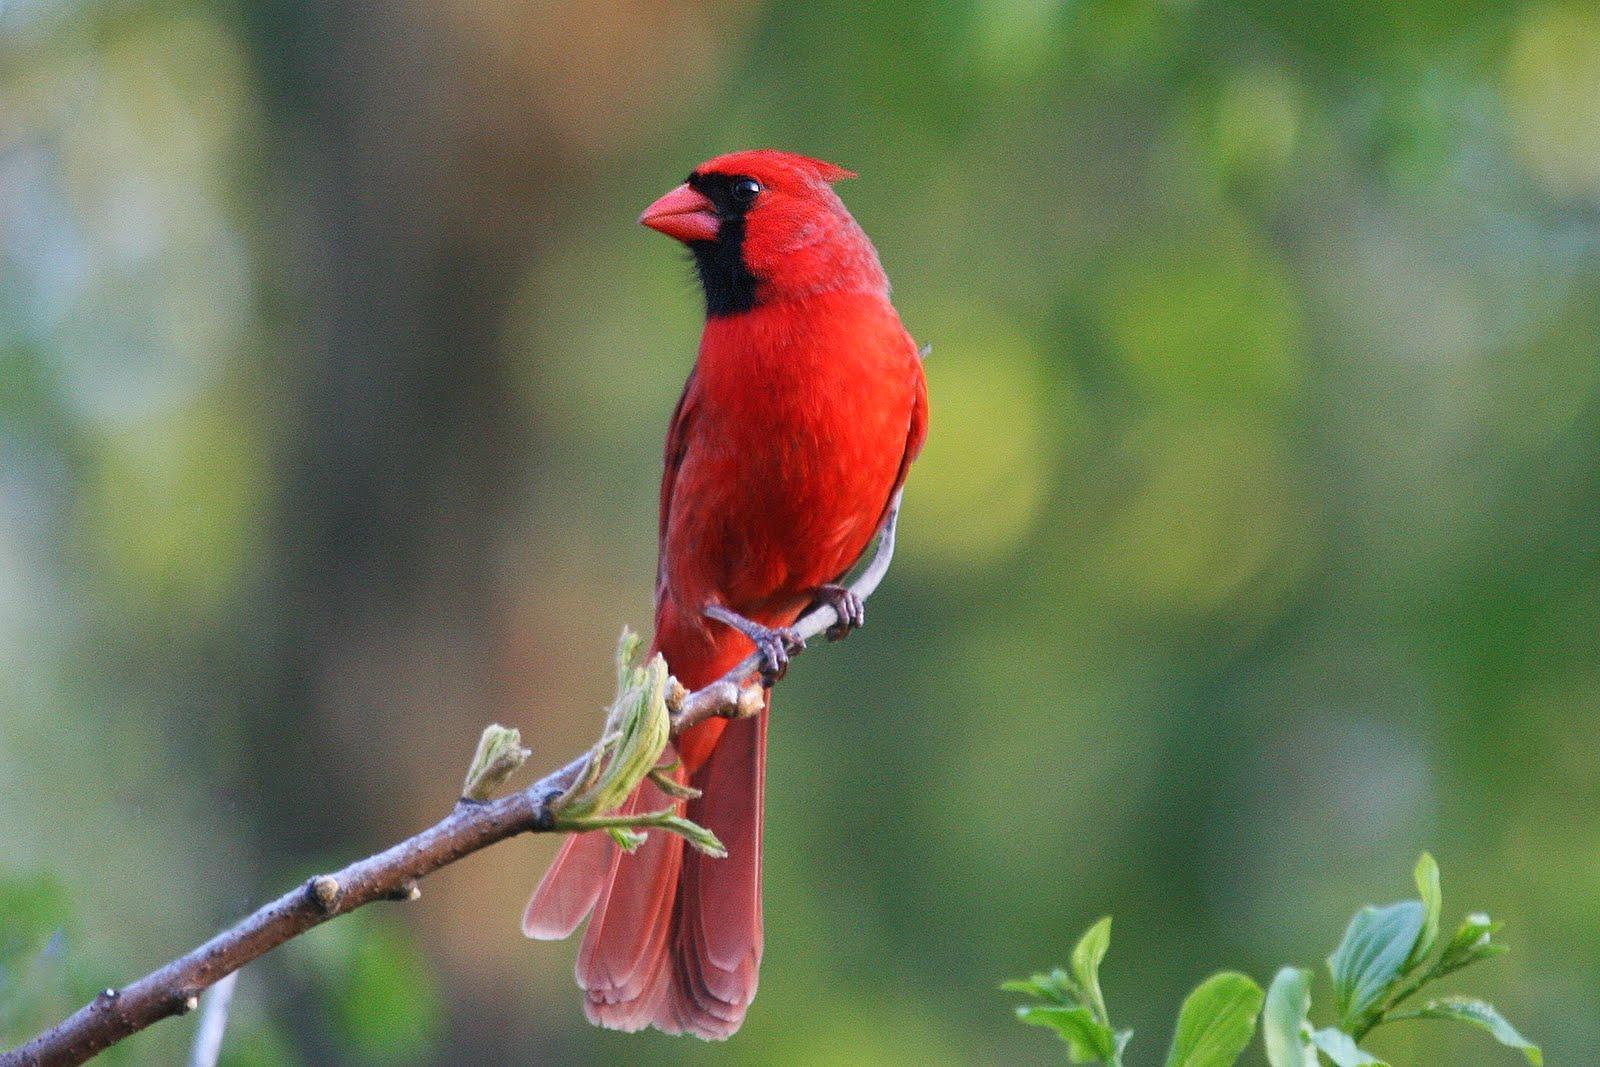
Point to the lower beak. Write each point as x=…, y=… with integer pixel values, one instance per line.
x=683, y=214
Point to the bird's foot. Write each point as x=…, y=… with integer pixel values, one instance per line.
x=846, y=604
x=774, y=645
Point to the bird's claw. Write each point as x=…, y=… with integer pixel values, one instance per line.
x=774, y=647
x=847, y=604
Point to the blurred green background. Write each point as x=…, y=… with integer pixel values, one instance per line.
x=1255, y=547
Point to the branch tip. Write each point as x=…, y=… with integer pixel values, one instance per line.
x=500, y=755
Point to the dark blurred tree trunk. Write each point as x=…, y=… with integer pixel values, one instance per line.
x=405, y=451
x=421, y=156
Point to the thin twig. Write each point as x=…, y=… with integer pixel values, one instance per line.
x=392, y=874
x=213, y=1023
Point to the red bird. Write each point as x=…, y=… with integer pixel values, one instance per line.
x=804, y=409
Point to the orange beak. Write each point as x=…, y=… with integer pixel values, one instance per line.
x=683, y=214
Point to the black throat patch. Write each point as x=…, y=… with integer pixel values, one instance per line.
x=729, y=286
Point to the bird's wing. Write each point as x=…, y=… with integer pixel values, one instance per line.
x=677, y=446
x=916, y=433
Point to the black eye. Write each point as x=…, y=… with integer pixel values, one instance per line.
x=744, y=190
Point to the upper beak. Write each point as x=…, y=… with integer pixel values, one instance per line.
x=683, y=214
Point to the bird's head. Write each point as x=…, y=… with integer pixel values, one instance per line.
x=766, y=226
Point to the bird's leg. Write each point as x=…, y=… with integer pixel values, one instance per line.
x=773, y=645
x=850, y=608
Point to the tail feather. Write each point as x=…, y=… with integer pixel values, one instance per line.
x=571, y=887
x=625, y=947
x=718, y=937
x=675, y=937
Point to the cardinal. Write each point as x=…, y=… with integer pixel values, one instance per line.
x=803, y=412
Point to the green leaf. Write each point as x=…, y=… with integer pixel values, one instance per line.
x=1088, y=1040
x=1472, y=941
x=1341, y=1048
x=636, y=731
x=1056, y=986
x=627, y=840
x=1375, y=951
x=1216, y=1022
x=1077, y=1011
x=1087, y=955
x=1032, y=987
x=1482, y=1015
x=697, y=836
x=500, y=754
x=669, y=785
x=1427, y=877
x=1283, y=1024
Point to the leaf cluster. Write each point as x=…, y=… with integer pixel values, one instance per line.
x=1388, y=955
x=636, y=732
x=1215, y=1023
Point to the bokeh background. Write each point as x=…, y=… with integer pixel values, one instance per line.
x=1255, y=547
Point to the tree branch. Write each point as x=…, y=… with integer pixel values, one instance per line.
x=392, y=874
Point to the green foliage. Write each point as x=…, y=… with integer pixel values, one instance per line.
x=1341, y=1049
x=1480, y=1014
x=1087, y=955
x=499, y=755
x=1075, y=1008
x=1470, y=943
x=1375, y=951
x=630, y=748
x=1381, y=962
x=1088, y=1041
x=1214, y=1026
x=1427, y=877
x=1285, y=1029
x=1216, y=1022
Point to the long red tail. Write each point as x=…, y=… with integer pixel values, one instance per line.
x=675, y=937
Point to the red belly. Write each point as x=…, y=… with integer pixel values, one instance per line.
x=792, y=456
